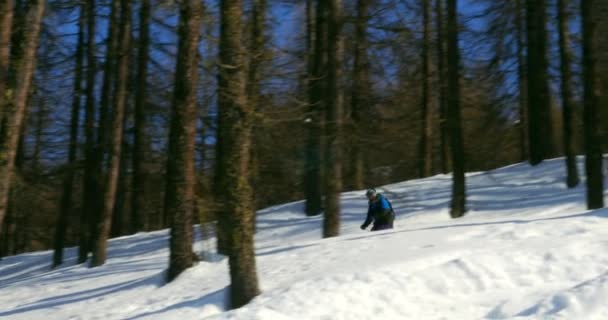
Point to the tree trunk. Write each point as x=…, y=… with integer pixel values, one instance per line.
x=119, y=212
x=25, y=67
x=139, y=220
x=181, y=178
x=425, y=150
x=257, y=59
x=458, y=205
x=114, y=152
x=316, y=29
x=522, y=81
x=566, y=81
x=593, y=152
x=333, y=118
x=68, y=182
x=361, y=92
x=237, y=215
x=539, y=109
x=6, y=23
x=91, y=199
x=442, y=80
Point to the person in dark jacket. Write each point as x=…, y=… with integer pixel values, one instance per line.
x=380, y=212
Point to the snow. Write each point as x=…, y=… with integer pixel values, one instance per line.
x=527, y=249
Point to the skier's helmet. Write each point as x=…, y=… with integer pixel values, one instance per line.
x=370, y=193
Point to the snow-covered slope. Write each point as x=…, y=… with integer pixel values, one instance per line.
x=527, y=249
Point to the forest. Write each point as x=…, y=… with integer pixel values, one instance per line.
x=121, y=116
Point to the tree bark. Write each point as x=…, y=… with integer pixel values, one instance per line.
x=442, y=80
x=25, y=67
x=114, y=152
x=317, y=30
x=458, y=204
x=6, y=23
x=140, y=143
x=522, y=81
x=361, y=91
x=333, y=118
x=181, y=179
x=257, y=60
x=91, y=199
x=593, y=152
x=566, y=81
x=237, y=215
x=425, y=150
x=539, y=109
x=68, y=181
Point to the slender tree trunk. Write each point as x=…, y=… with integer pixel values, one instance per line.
x=361, y=91
x=120, y=97
x=6, y=23
x=593, y=152
x=236, y=196
x=257, y=59
x=442, y=80
x=68, y=182
x=425, y=150
x=539, y=109
x=139, y=220
x=118, y=212
x=522, y=81
x=181, y=178
x=566, y=75
x=458, y=205
x=91, y=199
x=333, y=118
x=317, y=39
x=25, y=67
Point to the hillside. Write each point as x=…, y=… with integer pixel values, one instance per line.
x=527, y=249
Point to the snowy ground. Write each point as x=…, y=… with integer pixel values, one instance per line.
x=527, y=249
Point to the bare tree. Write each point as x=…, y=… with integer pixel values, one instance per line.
x=91, y=199
x=458, y=205
x=316, y=43
x=333, y=118
x=361, y=90
x=593, y=151
x=16, y=103
x=566, y=83
x=6, y=23
x=539, y=109
x=181, y=178
x=442, y=81
x=120, y=96
x=234, y=147
x=522, y=80
x=68, y=182
x=139, y=220
x=425, y=143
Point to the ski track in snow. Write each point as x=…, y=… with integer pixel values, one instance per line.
x=527, y=249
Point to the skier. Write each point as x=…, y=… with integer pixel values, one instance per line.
x=380, y=211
